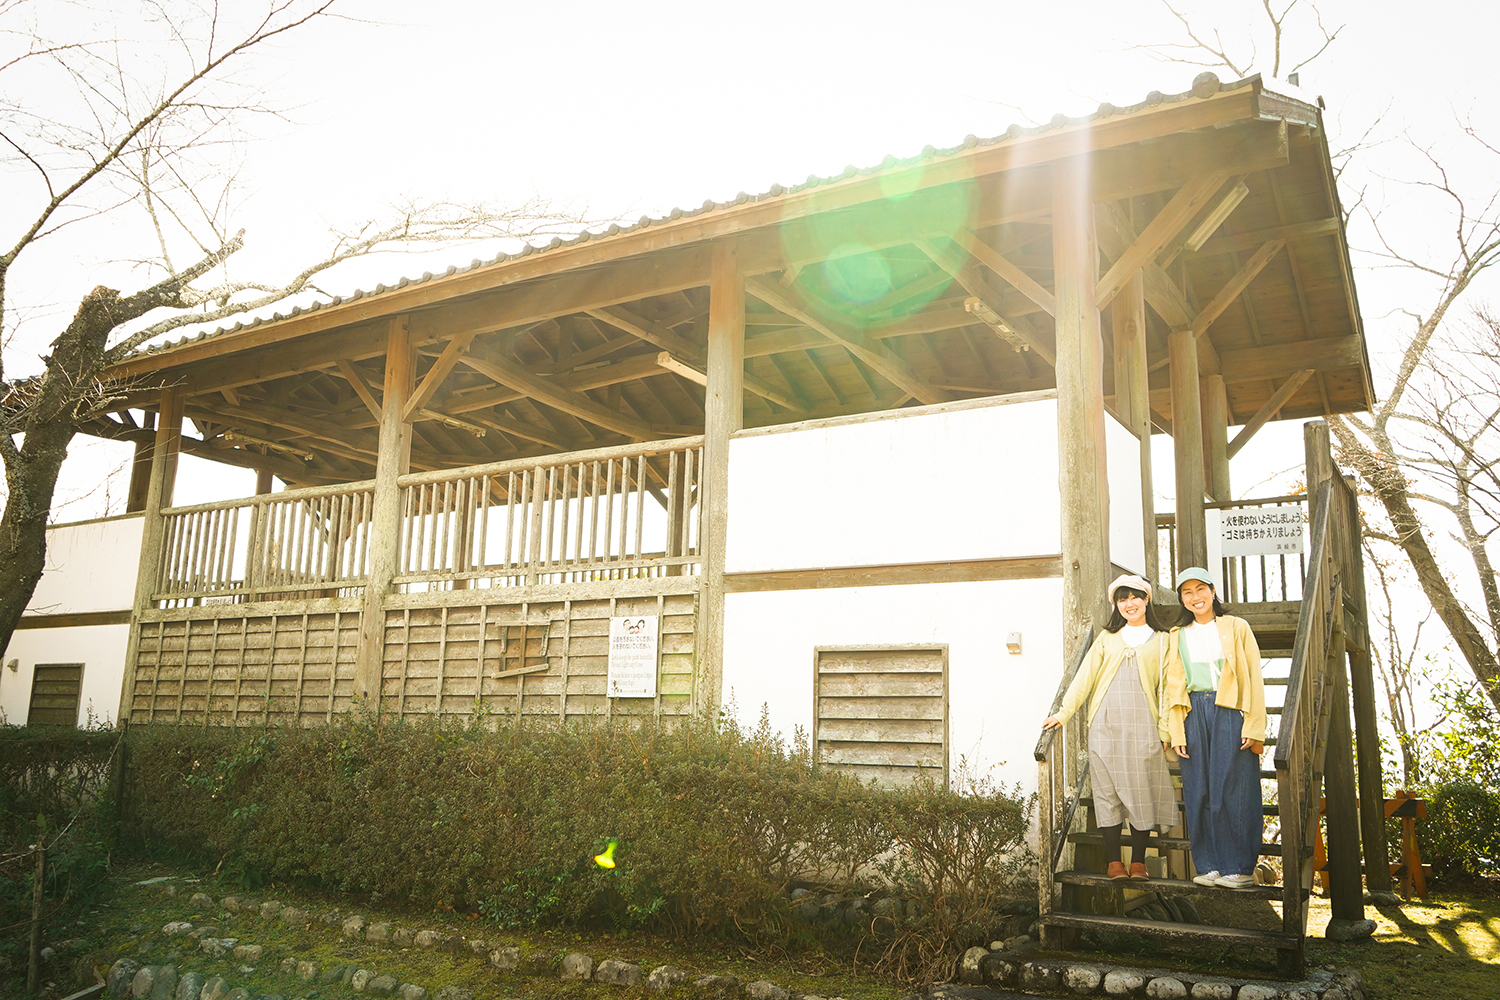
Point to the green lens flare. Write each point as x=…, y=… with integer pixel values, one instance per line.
x=607, y=859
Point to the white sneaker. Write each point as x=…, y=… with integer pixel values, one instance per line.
x=1207, y=878
x=1236, y=882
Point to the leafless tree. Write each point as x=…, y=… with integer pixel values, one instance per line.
x=1241, y=55
x=131, y=114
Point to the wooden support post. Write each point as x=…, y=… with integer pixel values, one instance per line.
x=1187, y=449
x=392, y=461
x=140, y=476
x=723, y=407
x=158, y=495
x=1215, y=399
x=263, y=481
x=1133, y=398
x=1339, y=787
x=1366, y=733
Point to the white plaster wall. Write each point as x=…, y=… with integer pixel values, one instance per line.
x=91, y=566
x=996, y=700
x=101, y=650
x=1127, y=537
x=968, y=483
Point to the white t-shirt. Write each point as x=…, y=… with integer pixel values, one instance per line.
x=1136, y=635
x=1204, y=648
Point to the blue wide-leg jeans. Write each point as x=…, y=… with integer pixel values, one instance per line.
x=1220, y=790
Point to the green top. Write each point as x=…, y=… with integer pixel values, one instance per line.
x=1202, y=673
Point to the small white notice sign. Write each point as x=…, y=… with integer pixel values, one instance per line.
x=1263, y=531
x=632, y=656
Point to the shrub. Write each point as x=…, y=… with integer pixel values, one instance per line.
x=1461, y=834
x=714, y=825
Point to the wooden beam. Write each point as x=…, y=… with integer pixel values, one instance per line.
x=1189, y=200
x=361, y=387
x=1268, y=411
x=1116, y=235
x=753, y=384
x=1235, y=286
x=648, y=330
x=1187, y=449
x=549, y=392
x=455, y=349
x=1215, y=402
x=1133, y=399
x=965, y=271
x=873, y=353
x=1283, y=360
x=1008, y=272
x=1292, y=233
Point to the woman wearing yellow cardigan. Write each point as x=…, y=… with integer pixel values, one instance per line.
x=1122, y=681
x=1216, y=712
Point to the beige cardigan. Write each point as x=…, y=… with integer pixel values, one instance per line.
x=1097, y=673
x=1240, y=686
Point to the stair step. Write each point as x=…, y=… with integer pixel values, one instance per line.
x=1187, y=933
x=1161, y=843
x=1171, y=885
x=1266, y=809
x=1268, y=775
x=1274, y=681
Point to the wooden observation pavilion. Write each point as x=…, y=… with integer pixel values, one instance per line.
x=486, y=464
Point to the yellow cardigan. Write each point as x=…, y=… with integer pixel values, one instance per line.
x=1240, y=685
x=1097, y=673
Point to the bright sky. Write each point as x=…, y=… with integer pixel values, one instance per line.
x=636, y=108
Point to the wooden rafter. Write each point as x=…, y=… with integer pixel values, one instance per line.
x=1173, y=218
x=1268, y=410
x=968, y=272
x=648, y=330
x=1295, y=232
x=361, y=387
x=870, y=351
x=543, y=390
x=1008, y=272
x=454, y=349
x=1235, y=286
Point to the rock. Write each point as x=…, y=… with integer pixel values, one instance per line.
x=1380, y=897
x=238, y=993
x=402, y=937
x=354, y=927
x=288, y=966
x=189, y=986
x=454, y=993
x=1121, y=983
x=663, y=978
x=217, y=947
x=1040, y=978
x=360, y=980
x=294, y=917
x=330, y=918
x=201, y=901
x=1082, y=978
x=968, y=966
x=231, y=903
x=1255, y=991
x=307, y=970
x=269, y=909
x=383, y=985
x=478, y=946
x=888, y=907
x=380, y=932
x=506, y=958
x=1348, y=930
x=214, y=989
x=997, y=971
x=536, y=963
x=717, y=986
x=199, y=933
x=178, y=928
x=577, y=967
x=406, y=991
x=1213, y=991
x=47, y=954
x=618, y=973
x=249, y=952
x=1166, y=988
x=426, y=939
x=145, y=978
x=332, y=975
x=165, y=987
x=763, y=990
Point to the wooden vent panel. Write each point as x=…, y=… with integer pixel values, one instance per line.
x=55, y=691
x=882, y=713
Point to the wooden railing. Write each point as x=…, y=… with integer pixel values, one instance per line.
x=1246, y=579
x=611, y=514
x=272, y=545
x=1062, y=765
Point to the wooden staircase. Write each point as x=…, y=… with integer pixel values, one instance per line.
x=1311, y=753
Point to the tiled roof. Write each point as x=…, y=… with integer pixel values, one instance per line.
x=1204, y=86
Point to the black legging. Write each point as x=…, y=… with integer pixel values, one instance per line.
x=1138, y=842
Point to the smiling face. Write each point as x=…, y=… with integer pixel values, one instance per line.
x=1133, y=608
x=1198, y=597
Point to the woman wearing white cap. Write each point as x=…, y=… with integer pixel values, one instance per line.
x=1216, y=711
x=1122, y=678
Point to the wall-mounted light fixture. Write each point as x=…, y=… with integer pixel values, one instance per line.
x=1013, y=643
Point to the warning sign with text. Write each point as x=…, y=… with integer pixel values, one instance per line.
x=1263, y=531
x=632, y=657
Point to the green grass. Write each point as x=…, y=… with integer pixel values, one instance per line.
x=1447, y=948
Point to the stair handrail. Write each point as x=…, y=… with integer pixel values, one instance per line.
x=1052, y=829
x=1303, y=718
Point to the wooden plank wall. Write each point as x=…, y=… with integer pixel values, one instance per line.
x=547, y=660
x=882, y=712
x=487, y=658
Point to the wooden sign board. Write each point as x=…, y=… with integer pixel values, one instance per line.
x=1263, y=531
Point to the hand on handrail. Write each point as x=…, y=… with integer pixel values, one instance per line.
x=1051, y=722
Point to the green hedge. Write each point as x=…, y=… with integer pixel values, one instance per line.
x=1461, y=834
x=714, y=825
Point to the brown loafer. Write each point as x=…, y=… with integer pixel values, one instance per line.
x=1117, y=870
x=1138, y=873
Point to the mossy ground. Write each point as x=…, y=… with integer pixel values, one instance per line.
x=129, y=925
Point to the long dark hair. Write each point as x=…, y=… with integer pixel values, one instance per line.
x=1117, y=621
x=1186, y=617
